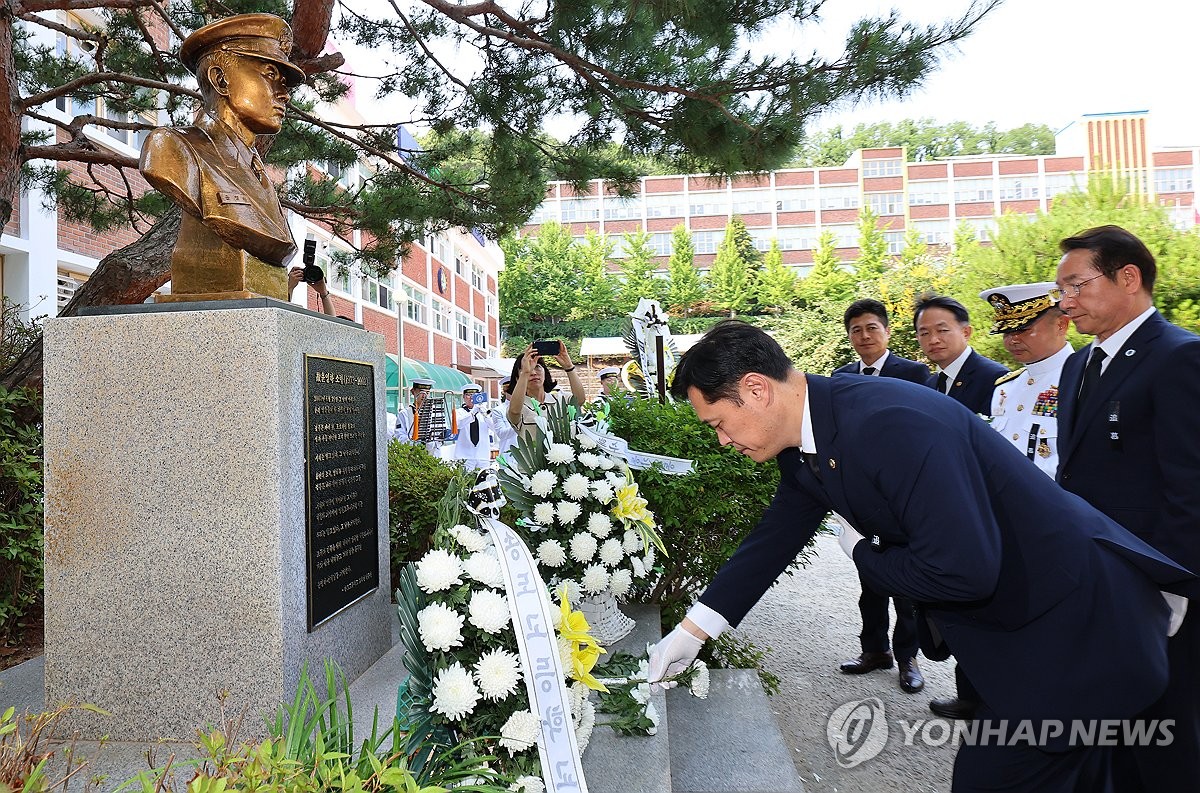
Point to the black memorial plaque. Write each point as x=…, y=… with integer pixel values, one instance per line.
x=342, y=518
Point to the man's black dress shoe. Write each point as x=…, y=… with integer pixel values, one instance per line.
x=953, y=708
x=867, y=662
x=911, y=680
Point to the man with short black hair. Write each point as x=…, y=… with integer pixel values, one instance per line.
x=1009, y=569
x=1130, y=411
x=943, y=329
x=866, y=323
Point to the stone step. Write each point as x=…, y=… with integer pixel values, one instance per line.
x=616, y=763
x=729, y=742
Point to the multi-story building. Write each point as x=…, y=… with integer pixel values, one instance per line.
x=437, y=310
x=795, y=206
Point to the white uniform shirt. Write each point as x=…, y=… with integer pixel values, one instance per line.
x=1025, y=409
x=477, y=453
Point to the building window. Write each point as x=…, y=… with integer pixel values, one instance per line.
x=441, y=248
x=968, y=191
x=1173, y=180
x=844, y=236
x=792, y=200
x=709, y=204
x=441, y=317
x=662, y=244
x=544, y=212
x=934, y=232
x=68, y=282
x=926, y=193
x=461, y=265
x=491, y=305
x=464, y=327
x=580, y=209
x=799, y=238
x=1018, y=188
x=751, y=202
x=895, y=242
x=480, y=335
x=477, y=280
x=1060, y=183
x=375, y=291
x=886, y=203
x=664, y=206
x=872, y=168
x=762, y=239
x=341, y=274
x=617, y=208
x=416, y=307
x=707, y=241
x=839, y=197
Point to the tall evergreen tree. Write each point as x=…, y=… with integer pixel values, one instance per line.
x=872, y=247
x=543, y=281
x=826, y=282
x=729, y=280
x=598, y=289
x=637, y=272
x=776, y=282
x=684, y=289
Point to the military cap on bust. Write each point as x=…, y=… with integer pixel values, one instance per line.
x=262, y=36
x=614, y=371
x=422, y=383
x=1017, y=306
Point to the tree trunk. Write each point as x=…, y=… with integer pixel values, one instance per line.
x=123, y=277
x=10, y=117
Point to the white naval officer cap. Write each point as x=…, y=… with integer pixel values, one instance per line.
x=614, y=371
x=1016, y=306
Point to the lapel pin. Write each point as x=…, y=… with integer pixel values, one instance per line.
x=1129, y=353
x=958, y=384
x=832, y=463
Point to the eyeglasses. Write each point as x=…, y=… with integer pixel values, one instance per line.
x=1071, y=290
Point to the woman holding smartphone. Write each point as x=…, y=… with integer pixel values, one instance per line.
x=530, y=385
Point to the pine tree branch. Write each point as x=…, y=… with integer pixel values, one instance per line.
x=67, y=89
x=80, y=150
x=34, y=6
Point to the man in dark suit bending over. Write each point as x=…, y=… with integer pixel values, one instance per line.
x=1006, y=566
x=866, y=324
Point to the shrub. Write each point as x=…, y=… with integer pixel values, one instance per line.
x=416, y=480
x=20, y=507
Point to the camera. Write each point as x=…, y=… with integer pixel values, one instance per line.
x=547, y=346
x=312, y=271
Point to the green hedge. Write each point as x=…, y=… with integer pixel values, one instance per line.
x=416, y=480
x=20, y=508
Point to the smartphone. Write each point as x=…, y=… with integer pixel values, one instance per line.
x=547, y=346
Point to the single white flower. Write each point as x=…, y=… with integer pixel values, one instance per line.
x=440, y=627
x=498, y=673
x=615, y=479
x=565, y=648
x=701, y=681
x=585, y=441
x=649, y=559
x=571, y=586
x=560, y=453
x=454, y=692
x=583, y=547
x=551, y=553
x=488, y=611
x=542, y=483
x=468, y=538
x=639, y=569
x=527, y=784
x=602, y=491
x=438, y=570
x=484, y=568
x=607, y=463
x=652, y=714
x=619, y=582
x=641, y=693
x=544, y=513
x=589, y=460
x=576, y=486
x=631, y=542
x=611, y=552
x=599, y=524
x=567, y=512
x=520, y=732
x=556, y=612
x=595, y=579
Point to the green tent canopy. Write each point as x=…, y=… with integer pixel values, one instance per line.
x=444, y=378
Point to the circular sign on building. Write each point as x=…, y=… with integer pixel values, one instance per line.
x=443, y=280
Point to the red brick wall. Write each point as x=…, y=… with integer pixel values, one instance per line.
x=751, y=181
x=658, y=185
x=879, y=184
x=931, y=171
x=793, y=178
x=443, y=348
x=979, y=210
x=378, y=322
x=698, y=183
x=1025, y=207
x=13, y=227
x=416, y=341
x=839, y=216
x=662, y=224
x=705, y=222
x=839, y=176
x=759, y=220
x=1163, y=159
x=928, y=211
x=621, y=226
x=973, y=168
x=1064, y=164
x=797, y=218
x=1018, y=166
x=883, y=154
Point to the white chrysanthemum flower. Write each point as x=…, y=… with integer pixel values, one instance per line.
x=468, y=538
x=589, y=459
x=542, y=483
x=556, y=612
x=484, y=568
x=631, y=541
x=567, y=512
x=551, y=553
x=454, y=692
x=583, y=547
x=520, y=732
x=565, y=648
x=607, y=463
x=527, y=784
x=611, y=552
x=701, y=681
x=652, y=714
x=576, y=486
x=649, y=559
x=488, y=611
x=560, y=453
x=600, y=524
x=602, y=491
x=585, y=441
x=595, y=579
x=583, y=733
x=639, y=569
x=579, y=692
x=640, y=693
x=438, y=570
x=544, y=513
x=498, y=673
x=615, y=479
x=573, y=594
x=619, y=582
x=440, y=627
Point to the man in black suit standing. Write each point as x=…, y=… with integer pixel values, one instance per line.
x=866, y=323
x=943, y=329
x=1130, y=413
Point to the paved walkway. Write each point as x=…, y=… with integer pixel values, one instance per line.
x=811, y=621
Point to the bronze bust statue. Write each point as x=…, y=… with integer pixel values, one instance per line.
x=234, y=241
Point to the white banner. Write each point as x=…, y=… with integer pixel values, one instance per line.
x=562, y=769
x=639, y=461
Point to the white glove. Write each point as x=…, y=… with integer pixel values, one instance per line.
x=672, y=655
x=1178, y=605
x=847, y=537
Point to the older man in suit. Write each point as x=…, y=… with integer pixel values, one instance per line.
x=1009, y=569
x=866, y=323
x=943, y=329
x=1130, y=406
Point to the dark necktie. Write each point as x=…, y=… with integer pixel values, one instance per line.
x=474, y=430
x=256, y=165
x=868, y=370
x=1091, y=376
x=941, y=382
x=810, y=459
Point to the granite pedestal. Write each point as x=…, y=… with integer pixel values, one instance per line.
x=175, y=515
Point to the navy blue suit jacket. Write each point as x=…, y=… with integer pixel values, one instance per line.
x=1008, y=567
x=1147, y=478
x=974, y=384
x=894, y=366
